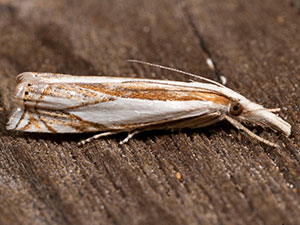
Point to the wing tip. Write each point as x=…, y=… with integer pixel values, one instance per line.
x=14, y=118
x=26, y=77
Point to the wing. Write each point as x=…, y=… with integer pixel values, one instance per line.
x=122, y=104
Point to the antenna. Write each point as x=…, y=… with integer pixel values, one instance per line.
x=175, y=70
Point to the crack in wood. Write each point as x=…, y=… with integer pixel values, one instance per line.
x=202, y=43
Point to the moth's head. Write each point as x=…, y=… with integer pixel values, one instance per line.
x=244, y=110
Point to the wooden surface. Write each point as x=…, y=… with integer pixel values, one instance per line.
x=212, y=175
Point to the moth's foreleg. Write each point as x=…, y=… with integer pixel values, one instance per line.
x=275, y=110
x=239, y=126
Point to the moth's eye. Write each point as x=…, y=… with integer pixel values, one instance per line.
x=236, y=109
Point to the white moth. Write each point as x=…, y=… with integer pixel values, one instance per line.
x=57, y=103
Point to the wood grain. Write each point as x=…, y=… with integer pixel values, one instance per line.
x=212, y=175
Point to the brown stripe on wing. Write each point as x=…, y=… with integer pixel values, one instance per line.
x=67, y=119
x=145, y=91
x=83, y=104
x=50, y=129
x=85, y=97
x=86, y=125
x=64, y=91
x=42, y=95
x=31, y=122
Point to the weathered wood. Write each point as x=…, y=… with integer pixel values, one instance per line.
x=212, y=175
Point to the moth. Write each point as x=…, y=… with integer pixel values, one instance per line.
x=58, y=103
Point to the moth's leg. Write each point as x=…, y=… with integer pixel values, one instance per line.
x=129, y=136
x=274, y=110
x=97, y=136
x=239, y=126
